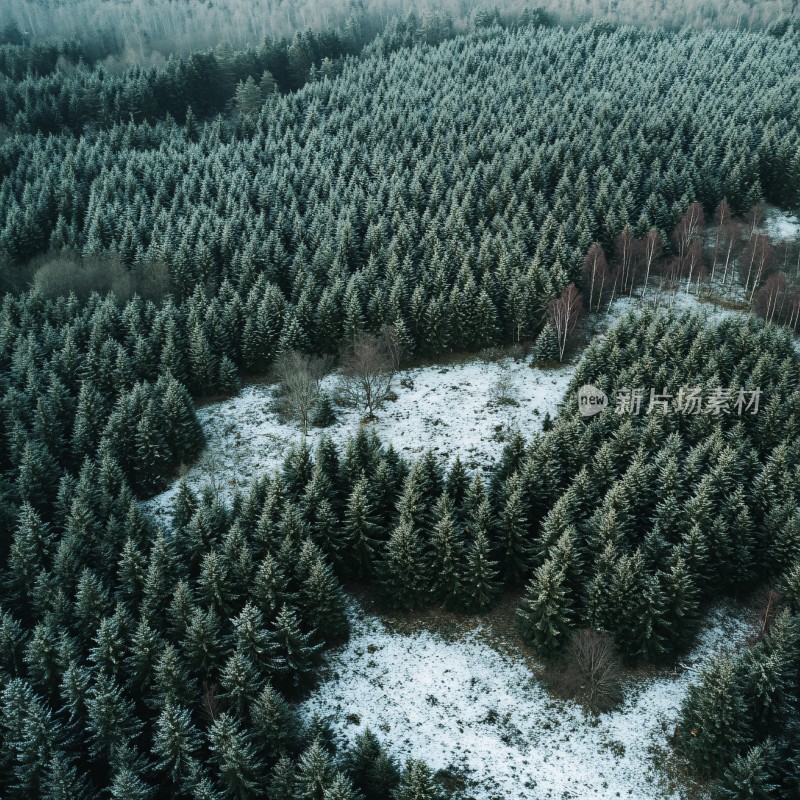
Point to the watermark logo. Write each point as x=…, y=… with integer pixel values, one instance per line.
x=719, y=401
x=591, y=400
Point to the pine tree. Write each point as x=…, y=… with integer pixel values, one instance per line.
x=515, y=552
x=479, y=581
x=294, y=654
x=127, y=784
x=323, y=603
x=274, y=724
x=446, y=556
x=545, y=615
x=111, y=721
x=545, y=349
x=30, y=546
x=240, y=682
x=62, y=781
x=341, y=788
x=755, y=774
x=404, y=576
x=176, y=743
x=373, y=770
x=240, y=769
x=362, y=531
x=171, y=680
x=202, y=643
x=251, y=638
x=681, y=602
x=416, y=783
x=282, y=781
x=315, y=771
x=271, y=587
x=714, y=720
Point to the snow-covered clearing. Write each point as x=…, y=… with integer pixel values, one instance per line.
x=464, y=707
x=781, y=225
x=451, y=408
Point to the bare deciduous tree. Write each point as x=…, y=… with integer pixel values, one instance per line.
x=757, y=261
x=650, y=248
x=367, y=372
x=393, y=344
x=722, y=219
x=594, y=656
x=595, y=275
x=564, y=312
x=687, y=232
x=770, y=299
x=755, y=218
x=625, y=248
x=299, y=376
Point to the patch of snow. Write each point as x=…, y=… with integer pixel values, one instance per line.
x=462, y=706
x=451, y=408
x=781, y=225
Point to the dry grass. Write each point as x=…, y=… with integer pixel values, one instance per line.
x=496, y=627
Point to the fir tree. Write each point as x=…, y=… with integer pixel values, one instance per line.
x=416, y=783
x=323, y=602
x=713, y=722
x=176, y=742
x=480, y=585
x=294, y=655
x=755, y=774
x=405, y=583
x=545, y=349
x=274, y=724
x=447, y=555
x=513, y=528
x=545, y=615
x=373, y=770
x=235, y=757
x=361, y=530
x=315, y=772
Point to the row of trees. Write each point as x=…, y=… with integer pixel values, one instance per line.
x=730, y=258
x=140, y=30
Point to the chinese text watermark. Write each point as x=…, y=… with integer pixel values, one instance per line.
x=687, y=400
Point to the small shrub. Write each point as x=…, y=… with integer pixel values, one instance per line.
x=324, y=414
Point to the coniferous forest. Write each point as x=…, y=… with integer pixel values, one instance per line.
x=365, y=193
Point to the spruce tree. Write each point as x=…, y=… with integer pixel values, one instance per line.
x=294, y=656
x=373, y=770
x=239, y=767
x=404, y=575
x=754, y=774
x=240, y=682
x=315, y=772
x=323, y=603
x=274, y=724
x=362, y=531
x=714, y=720
x=545, y=614
x=282, y=781
x=479, y=578
x=514, y=550
x=545, y=348
x=176, y=742
x=446, y=555
x=416, y=783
